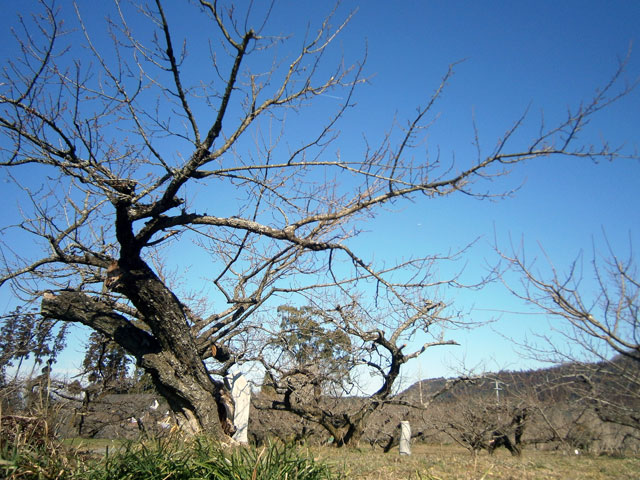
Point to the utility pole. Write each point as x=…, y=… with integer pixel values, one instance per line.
x=497, y=389
x=420, y=381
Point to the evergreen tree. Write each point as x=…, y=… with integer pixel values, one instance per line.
x=106, y=363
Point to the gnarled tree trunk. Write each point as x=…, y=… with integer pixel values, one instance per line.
x=161, y=343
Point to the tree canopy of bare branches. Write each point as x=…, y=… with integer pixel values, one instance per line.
x=128, y=152
x=594, y=312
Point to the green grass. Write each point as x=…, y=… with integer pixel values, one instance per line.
x=164, y=459
x=204, y=459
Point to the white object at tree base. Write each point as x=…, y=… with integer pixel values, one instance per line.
x=241, y=394
x=405, y=438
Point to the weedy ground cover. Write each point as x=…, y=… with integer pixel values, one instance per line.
x=162, y=459
x=171, y=458
x=434, y=462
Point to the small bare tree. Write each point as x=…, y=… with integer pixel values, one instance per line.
x=596, y=326
x=127, y=152
x=365, y=355
x=471, y=416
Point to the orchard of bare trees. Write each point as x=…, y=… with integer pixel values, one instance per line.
x=134, y=159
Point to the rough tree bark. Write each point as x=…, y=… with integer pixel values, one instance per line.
x=176, y=368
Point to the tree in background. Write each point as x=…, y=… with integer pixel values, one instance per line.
x=308, y=366
x=27, y=336
x=106, y=363
x=473, y=417
x=311, y=355
x=128, y=152
x=595, y=317
x=336, y=368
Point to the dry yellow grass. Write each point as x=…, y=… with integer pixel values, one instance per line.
x=435, y=462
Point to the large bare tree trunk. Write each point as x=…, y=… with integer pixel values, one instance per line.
x=162, y=345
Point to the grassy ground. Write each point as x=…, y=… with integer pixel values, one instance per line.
x=440, y=462
x=94, y=445
x=434, y=462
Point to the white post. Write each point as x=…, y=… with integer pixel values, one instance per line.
x=241, y=394
x=405, y=438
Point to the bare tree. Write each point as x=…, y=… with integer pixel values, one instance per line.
x=127, y=151
x=596, y=327
x=342, y=365
x=471, y=416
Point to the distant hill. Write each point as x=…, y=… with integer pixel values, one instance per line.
x=551, y=384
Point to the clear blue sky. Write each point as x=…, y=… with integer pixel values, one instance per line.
x=544, y=56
